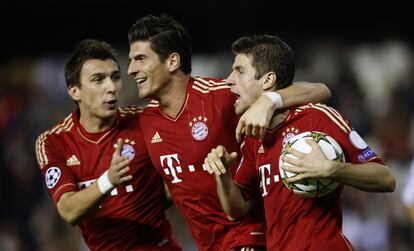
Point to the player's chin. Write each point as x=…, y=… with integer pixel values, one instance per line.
x=142, y=93
x=108, y=113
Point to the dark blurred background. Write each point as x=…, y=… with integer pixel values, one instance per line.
x=363, y=51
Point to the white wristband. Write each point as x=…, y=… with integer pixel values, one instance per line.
x=276, y=98
x=104, y=184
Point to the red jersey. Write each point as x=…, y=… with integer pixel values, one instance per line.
x=178, y=147
x=295, y=222
x=132, y=216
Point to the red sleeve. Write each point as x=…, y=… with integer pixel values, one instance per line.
x=57, y=176
x=246, y=174
x=334, y=124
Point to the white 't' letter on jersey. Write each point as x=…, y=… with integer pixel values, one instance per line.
x=171, y=169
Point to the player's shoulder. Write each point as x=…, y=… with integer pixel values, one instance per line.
x=129, y=113
x=206, y=85
x=62, y=127
x=322, y=112
x=151, y=107
x=314, y=108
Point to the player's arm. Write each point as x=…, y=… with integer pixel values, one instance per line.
x=218, y=162
x=408, y=193
x=73, y=206
x=369, y=176
x=255, y=120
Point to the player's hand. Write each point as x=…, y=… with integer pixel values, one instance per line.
x=118, y=171
x=256, y=119
x=308, y=165
x=219, y=160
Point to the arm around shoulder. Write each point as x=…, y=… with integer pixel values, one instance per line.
x=300, y=93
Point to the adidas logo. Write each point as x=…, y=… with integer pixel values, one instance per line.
x=72, y=161
x=156, y=138
x=261, y=149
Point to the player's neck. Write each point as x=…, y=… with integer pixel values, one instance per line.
x=94, y=124
x=173, y=99
x=278, y=119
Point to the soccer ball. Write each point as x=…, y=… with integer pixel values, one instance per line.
x=311, y=188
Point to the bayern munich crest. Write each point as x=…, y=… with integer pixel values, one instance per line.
x=199, y=129
x=128, y=149
x=289, y=133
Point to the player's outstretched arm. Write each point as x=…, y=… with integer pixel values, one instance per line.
x=256, y=119
x=73, y=206
x=218, y=162
x=369, y=177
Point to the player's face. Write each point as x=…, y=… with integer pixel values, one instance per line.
x=99, y=91
x=243, y=83
x=150, y=74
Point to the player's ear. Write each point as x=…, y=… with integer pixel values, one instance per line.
x=74, y=92
x=174, y=61
x=269, y=80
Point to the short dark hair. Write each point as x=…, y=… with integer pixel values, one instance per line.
x=166, y=36
x=85, y=50
x=268, y=53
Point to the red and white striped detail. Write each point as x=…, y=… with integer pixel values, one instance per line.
x=205, y=86
x=331, y=113
x=130, y=109
x=41, y=155
x=153, y=103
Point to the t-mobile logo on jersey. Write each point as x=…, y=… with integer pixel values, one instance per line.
x=173, y=170
x=85, y=184
x=265, y=178
x=171, y=165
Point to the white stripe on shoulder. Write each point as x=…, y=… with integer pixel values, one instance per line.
x=199, y=89
x=41, y=156
x=65, y=126
x=202, y=80
x=130, y=109
x=221, y=82
x=67, y=120
x=337, y=115
x=206, y=89
x=332, y=117
x=202, y=86
x=220, y=87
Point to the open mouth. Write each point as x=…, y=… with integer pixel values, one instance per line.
x=111, y=104
x=237, y=99
x=141, y=80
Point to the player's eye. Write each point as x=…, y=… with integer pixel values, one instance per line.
x=116, y=77
x=97, y=79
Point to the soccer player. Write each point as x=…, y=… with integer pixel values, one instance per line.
x=293, y=222
x=95, y=164
x=187, y=117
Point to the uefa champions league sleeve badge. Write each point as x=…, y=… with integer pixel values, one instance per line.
x=52, y=176
x=199, y=129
